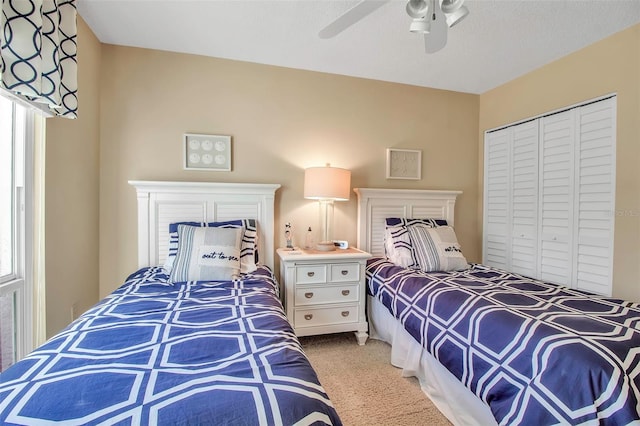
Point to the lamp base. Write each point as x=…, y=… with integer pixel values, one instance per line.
x=325, y=246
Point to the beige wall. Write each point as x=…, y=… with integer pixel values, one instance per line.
x=71, y=205
x=282, y=121
x=136, y=104
x=609, y=66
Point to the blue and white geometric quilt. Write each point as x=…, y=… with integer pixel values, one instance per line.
x=193, y=353
x=536, y=353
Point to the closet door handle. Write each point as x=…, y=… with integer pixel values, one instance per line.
x=345, y=313
x=308, y=316
x=345, y=292
x=308, y=295
x=310, y=274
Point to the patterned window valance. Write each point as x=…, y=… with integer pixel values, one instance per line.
x=38, y=52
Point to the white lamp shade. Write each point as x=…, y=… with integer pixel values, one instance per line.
x=327, y=183
x=457, y=16
x=417, y=8
x=450, y=6
x=422, y=26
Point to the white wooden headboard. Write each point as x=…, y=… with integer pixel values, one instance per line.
x=161, y=203
x=374, y=205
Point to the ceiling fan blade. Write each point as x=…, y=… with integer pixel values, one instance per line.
x=350, y=17
x=436, y=39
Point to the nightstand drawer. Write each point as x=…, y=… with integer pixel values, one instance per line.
x=310, y=274
x=340, y=272
x=333, y=294
x=326, y=316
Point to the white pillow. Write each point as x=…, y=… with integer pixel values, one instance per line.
x=436, y=249
x=207, y=254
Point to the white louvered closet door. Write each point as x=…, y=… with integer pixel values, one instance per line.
x=524, y=199
x=550, y=197
x=497, y=203
x=557, y=141
x=595, y=196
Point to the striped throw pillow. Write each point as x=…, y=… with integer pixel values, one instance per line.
x=436, y=249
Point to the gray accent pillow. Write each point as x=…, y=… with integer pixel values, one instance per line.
x=207, y=254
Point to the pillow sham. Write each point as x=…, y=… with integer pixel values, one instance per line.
x=397, y=245
x=249, y=248
x=403, y=221
x=436, y=249
x=207, y=254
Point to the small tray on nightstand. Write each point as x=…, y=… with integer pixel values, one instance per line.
x=314, y=254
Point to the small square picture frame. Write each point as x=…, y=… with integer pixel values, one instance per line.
x=404, y=164
x=206, y=152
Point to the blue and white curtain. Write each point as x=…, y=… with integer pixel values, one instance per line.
x=38, y=53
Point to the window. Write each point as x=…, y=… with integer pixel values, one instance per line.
x=6, y=190
x=15, y=294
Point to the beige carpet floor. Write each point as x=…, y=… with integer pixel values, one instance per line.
x=364, y=387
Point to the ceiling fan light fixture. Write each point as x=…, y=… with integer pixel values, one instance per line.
x=458, y=15
x=417, y=8
x=420, y=25
x=450, y=6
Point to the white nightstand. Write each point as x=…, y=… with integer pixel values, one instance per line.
x=325, y=291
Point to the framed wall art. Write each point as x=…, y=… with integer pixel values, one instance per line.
x=404, y=163
x=207, y=152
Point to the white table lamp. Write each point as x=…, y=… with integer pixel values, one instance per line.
x=327, y=184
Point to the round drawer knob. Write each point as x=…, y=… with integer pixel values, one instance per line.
x=345, y=292
x=310, y=274
x=345, y=272
x=308, y=316
x=345, y=313
x=308, y=295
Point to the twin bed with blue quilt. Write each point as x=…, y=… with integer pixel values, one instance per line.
x=536, y=353
x=201, y=340
x=489, y=346
x=155, y=352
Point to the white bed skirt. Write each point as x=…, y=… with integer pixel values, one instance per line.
x=451, y=397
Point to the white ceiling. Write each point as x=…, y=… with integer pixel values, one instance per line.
x=499, y=40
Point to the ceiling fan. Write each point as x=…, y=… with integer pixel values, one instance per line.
x=432, y=18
